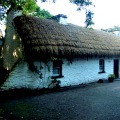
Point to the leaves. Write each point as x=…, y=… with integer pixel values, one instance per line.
x=42, y=13
x=81, y=2
x=89, y=16
x=27, y=6
x=83, y=5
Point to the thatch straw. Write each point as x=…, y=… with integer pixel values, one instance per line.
x=42, y=37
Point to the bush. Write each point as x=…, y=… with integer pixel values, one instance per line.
x=111, y=77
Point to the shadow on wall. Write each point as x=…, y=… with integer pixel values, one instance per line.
x=3, y=72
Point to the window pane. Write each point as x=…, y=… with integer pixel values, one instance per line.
x=56, y=71
x=101, y=65
x=57, y=68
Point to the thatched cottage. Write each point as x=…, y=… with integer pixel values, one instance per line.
x=69, y=53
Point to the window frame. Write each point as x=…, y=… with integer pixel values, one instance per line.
x=101, y=66
x=57, y=67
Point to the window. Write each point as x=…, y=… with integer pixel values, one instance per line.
x=57, y=68
x=101, y=66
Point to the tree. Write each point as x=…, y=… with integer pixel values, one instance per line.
x=113, y=29
x=27, y=6
x=30, y=6
x=42, y=13
x=89, y=16
x=84, y=5
x=7, y=11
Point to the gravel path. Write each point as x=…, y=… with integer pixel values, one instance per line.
x=98, y=101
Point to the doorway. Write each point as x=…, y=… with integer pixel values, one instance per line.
x=116, y=68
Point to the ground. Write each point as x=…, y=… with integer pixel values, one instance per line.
x=98, y=101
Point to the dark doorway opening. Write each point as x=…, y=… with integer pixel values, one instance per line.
x=116, y=68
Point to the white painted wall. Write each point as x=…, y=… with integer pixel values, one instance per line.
x=81, y=71
x=63, y=21
x=22, y=77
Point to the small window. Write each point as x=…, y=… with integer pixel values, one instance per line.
x=101, y=66
x=57, y=68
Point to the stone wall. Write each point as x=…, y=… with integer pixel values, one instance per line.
x=83, y=71
x=80, y=71
x=23, y=77
x=12, y=49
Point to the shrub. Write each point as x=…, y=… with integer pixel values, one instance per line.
x=111, y=77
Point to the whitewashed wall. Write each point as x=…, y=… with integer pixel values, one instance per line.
x=81, y=71
x=22, y=77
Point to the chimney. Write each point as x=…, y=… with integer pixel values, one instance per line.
x=62, y=19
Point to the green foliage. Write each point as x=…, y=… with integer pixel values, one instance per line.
x=5, y=4
x=111, y=76
x=89, y=16
x=42, y=13
x=113, y=29
x=30, y=7
x=81, y=3
x=27, y=7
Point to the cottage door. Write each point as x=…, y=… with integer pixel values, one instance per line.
x=116, y=68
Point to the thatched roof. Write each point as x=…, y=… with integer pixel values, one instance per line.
x=42, y=37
